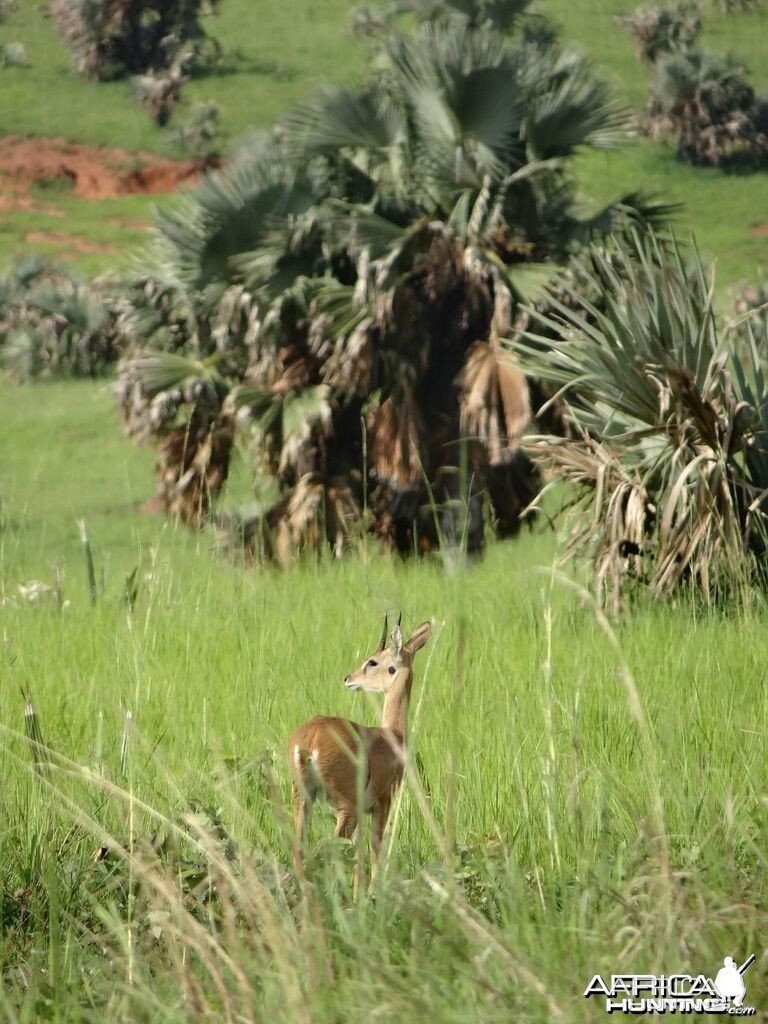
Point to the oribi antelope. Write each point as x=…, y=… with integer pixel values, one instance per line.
x=355, y=767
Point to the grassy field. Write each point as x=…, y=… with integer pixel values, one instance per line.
x=276, y=54
x=574, y=806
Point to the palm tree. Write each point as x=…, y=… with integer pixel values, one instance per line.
x=114, y=38
x=658, y=31
x=668, y=455
x=707, y=101
x=352, y=277
x=53, y=324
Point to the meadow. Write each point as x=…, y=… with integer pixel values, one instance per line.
x=582, y=797
x=276, y=55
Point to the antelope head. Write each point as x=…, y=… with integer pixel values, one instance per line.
x=379, y=671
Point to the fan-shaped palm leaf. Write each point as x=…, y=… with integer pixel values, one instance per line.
x=568, y=106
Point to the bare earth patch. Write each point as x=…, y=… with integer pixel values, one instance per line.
x=94, y=172
x=761, y=230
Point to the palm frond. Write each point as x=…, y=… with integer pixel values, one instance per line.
x=494, y=402
x=568, y=106
x=161, y=371
x=396, y=431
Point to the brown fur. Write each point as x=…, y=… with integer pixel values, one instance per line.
x=355, y=767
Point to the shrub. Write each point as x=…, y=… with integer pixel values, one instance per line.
x=337, y=294
x=706, y=100
x=52, y=324
x=668, y=454
x=13, y=55
x=116, y=38
x=661, y=30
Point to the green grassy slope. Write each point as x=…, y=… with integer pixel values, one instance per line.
x=91, y=237
x=275, y=54
x=555, y=808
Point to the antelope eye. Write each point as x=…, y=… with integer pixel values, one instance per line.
x=391, y=670
x=371, y=663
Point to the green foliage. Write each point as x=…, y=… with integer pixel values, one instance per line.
x=113, y=38
x=51, y=324
x=669, y=455
x=663, y=30
x=707, y=101
x=13, y=55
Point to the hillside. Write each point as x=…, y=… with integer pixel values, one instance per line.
x=273, y=56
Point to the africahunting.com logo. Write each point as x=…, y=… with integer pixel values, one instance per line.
x=676, y=993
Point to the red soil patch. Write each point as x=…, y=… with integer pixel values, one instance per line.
x=94, y=172
x=761, y=230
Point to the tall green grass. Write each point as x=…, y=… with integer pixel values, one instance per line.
x=577, y=802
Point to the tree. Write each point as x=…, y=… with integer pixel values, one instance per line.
x=159, y=42
x=351, y=278
x=663, y=30
x=668, y=456
x=707, y=101
x=114, y=38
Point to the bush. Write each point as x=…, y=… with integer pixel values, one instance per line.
x=52, y=324
x=13, y=55
x=661, y=30
x=668, y=454
x=337, y=295
x=116, y=38
x=707, y=102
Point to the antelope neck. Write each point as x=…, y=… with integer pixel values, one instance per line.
x=395, y=714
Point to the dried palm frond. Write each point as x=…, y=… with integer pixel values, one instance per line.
x=395, y=430
x=614, y=510
x=312, y=512
x=180, y=402
x=191, y=468
x=493, y=401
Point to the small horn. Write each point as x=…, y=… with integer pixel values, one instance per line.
x=383, y=641
x=399, y=618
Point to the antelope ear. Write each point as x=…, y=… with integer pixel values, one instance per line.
x=419, y=637
x=396, y=645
